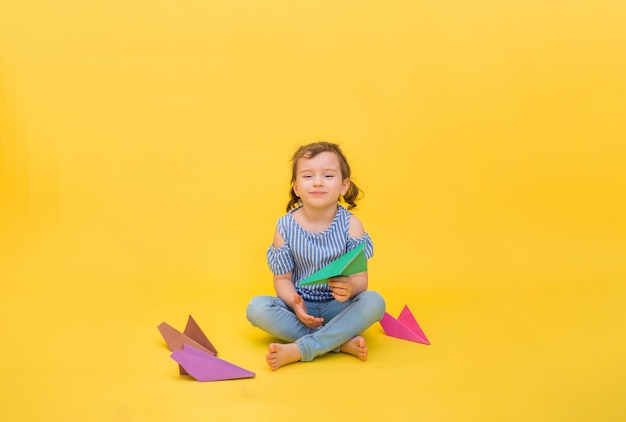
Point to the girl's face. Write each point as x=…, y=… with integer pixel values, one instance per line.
x=319, y=182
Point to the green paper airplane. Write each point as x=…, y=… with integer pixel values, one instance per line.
x=352, y=262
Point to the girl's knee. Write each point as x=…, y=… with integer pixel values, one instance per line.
x=255, y=309
x=375, y=302
x=260, y=307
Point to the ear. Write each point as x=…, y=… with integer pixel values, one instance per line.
x=344, y=186
x=295, y=189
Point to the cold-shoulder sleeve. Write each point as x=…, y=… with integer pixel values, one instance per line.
x=280, y=259
x=353, y=242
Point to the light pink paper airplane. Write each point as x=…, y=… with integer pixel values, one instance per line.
x=192, y=335
x=405, y=327
x=204, y=366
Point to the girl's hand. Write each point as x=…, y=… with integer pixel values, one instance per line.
x=299, y=308
x=341, y=288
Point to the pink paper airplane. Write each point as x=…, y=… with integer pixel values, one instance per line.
x=405, y=327
x=195, y=354
x=204, y=366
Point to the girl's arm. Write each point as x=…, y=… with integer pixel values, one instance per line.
x=345, y=288
x=285, y=290
x=283, y=285
x=359, y=281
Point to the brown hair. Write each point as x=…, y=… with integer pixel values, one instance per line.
x=311, y=150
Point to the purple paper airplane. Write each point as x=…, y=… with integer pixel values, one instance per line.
x=204, y=366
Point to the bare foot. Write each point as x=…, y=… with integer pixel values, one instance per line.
x=282, y=354
x=356, y=347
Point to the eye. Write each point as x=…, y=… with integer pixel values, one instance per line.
x=329, y=176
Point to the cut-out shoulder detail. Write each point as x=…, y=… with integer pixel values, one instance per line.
x=278, y=239
x=355, y=229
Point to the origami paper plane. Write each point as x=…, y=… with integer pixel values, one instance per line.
x=195, y=354
x=405, y=327
x=204, y=366
x=352, y=262
x=192, y=335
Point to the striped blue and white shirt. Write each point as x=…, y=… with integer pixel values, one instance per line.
x=304, y=252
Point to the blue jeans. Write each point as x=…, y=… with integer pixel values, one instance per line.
x=342, y=321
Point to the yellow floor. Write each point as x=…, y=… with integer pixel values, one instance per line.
x=87, y=351
x=144, y=160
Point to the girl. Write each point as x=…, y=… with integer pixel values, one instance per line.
x=315, y=231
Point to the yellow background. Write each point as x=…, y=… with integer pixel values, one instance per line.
x=144, y=162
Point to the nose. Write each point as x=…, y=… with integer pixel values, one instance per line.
x=318, y=180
